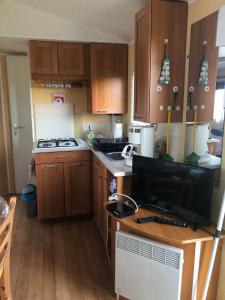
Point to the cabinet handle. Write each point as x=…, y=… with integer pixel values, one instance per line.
x=50, y=166
x=77, y=164
x=61, y=157
x=102, y=110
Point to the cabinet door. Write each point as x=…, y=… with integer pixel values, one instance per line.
x=77, y=188
x=142, y=64
x=109, y=78
x=95, y=189
x=71, y=59
x=203, y=30
x=169, y=21
x=43, y=57
x=50, y=190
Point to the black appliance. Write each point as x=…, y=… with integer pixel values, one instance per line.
x=180, y=189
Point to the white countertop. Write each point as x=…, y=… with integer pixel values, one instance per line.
x=117, y=168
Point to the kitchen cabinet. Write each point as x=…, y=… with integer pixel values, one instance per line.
x=71, y=59
x=50, y=189
x=203, y=95
x=109, y=68
x=63, y=184
x=77, y=188
x=44, y=57
x=59, y=60
x=158, y=23
x=100, y=195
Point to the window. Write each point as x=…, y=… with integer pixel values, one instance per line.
x=218, y=113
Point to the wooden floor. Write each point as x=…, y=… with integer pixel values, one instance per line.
x=58, y=261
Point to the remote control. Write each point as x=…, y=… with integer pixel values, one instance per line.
x=162, y=220
x=146, y=220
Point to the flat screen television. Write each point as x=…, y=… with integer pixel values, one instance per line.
x=180, y=189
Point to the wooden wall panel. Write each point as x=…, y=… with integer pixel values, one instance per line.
x=203, y=30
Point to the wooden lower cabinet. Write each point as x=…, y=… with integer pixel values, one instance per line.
x=63, y=185
x=77, y=188
x=100, y=194
x=50, y=190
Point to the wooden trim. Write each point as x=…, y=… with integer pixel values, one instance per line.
x=196, y=270
x=7, y=124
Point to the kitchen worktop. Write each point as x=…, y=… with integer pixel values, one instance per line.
x=117, y=168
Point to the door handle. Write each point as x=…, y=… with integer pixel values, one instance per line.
x=17, y=127
x=61, y=157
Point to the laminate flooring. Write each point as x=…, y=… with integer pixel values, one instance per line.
x=63, y=260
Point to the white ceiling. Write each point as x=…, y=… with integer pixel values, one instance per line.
x=113, y=17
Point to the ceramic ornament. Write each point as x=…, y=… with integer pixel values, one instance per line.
x=165, y=68
x=204, y=71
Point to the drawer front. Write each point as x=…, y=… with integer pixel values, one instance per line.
x=51, y=157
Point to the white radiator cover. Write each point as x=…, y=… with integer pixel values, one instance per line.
x=146, y=270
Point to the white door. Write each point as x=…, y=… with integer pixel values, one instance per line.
x=20, y=106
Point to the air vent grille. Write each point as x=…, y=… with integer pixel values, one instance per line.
x=148, y=250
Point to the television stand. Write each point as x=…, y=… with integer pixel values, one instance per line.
x=195, y=244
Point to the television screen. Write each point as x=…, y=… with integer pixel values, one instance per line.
x=180, y=189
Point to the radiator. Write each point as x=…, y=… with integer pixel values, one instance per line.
x=146, y=270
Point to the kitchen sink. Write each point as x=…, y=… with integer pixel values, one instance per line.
x=114, y=156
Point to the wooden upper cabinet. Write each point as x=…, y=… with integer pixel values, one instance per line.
x=77, y=188
x=71, y=59
x=59, y=60
x=158, y=21
x=203, y=31
x=109, y=69
x=44, y=57
x=142, y=64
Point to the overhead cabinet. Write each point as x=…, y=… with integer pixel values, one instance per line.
x=203, y=45
x=109, y=68
x=160, y=33
x=59, y=60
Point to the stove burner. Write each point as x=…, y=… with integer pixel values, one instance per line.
x=53, y=143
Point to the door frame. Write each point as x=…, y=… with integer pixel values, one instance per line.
x=7, y=133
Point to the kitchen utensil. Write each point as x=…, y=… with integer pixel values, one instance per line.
x=193, y=158
x=167, y=156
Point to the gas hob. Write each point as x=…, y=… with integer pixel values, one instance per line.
x=54, y=143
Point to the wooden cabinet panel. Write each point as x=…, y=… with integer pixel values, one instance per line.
x=77, y=188
x=43, y=57
x=158, y=21
x=71, y=59
x=50, y=190
x=142, y=64
x=100, y=190
x=109, y=78
x=50, y=157
x=203, y=30
x=172, y=26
